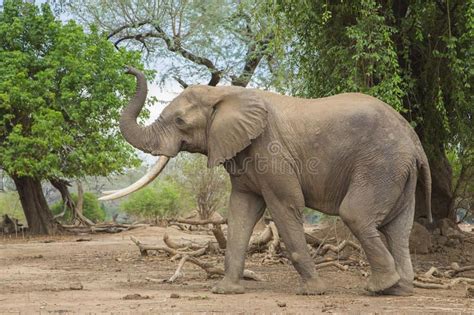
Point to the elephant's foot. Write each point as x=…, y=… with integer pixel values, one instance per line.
x=401, y=288
x=313, y=286
x=380, y=281
x=227, y=287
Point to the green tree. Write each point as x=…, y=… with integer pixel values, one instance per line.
x=418, y=56
x=91, y=208
x=61, y=91
x=156, y=201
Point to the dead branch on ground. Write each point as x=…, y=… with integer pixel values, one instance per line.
x=198, y=222
x=447, y=285
x=336, y=264
x=337, y=249
x=144, y=249
x=176, y=250
x=435, y=279
x=102, y=228
x=210, y=269
x=455, y=269
x=259, y=242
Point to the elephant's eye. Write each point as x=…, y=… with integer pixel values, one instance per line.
x=179, y=121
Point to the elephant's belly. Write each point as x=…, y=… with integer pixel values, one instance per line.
x=325, y=193
x=324, y=206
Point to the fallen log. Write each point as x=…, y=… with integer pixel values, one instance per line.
x=188, y=245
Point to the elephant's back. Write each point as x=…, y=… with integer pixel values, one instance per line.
x=349, y=119
x=341, y=133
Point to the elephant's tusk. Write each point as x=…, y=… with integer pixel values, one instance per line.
x=109, y=192
x=145, y=180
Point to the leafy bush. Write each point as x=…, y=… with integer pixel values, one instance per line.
x=157, y=201
x=91, y=208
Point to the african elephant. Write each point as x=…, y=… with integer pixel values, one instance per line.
x=349, y=155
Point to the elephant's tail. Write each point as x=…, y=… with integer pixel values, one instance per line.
x=424, y=171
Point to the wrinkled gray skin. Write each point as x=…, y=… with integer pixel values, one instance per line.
x=349, y=155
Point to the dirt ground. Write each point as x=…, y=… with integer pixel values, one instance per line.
x=45, y=275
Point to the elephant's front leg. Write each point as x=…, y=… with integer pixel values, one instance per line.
x=245, y=210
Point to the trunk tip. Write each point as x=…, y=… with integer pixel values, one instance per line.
x=131, y=70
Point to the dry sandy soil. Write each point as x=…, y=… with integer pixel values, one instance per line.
x=37, y=277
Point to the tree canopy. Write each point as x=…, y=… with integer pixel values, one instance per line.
x=193, y=42
x=61, y=91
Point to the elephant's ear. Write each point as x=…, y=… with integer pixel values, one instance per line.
x=236, y=120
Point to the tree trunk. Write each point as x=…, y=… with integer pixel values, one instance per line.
x=77, y=217
x=442, y=192
x=38, y=215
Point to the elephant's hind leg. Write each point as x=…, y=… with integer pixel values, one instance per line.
x=362, y=210
x=287, y=217
x=397, y=234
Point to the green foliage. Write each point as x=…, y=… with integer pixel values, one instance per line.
x=416, y=56
x=61, y=91
x=10, y=204
x=91, y=208
x=156, y=201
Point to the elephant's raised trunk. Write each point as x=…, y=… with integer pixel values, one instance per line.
x=131, y=130
x=137, y=136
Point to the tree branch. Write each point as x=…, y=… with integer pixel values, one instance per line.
x=123, y=27
x=254, y=55
x=181, y=82
x=173, y=44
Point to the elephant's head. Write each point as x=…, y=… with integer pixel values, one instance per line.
x=216, y=121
